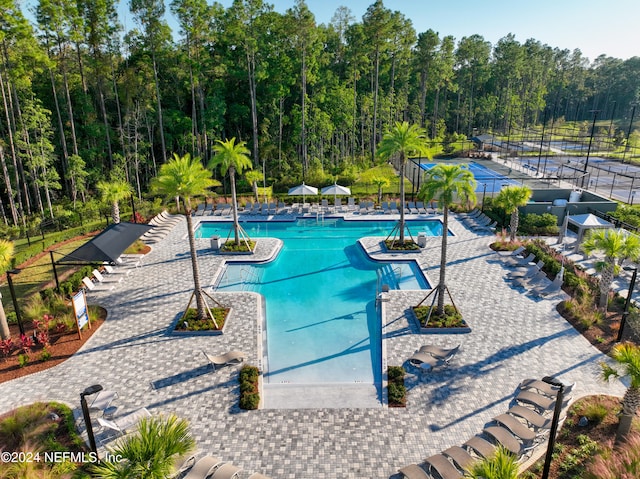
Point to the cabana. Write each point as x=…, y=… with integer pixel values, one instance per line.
x=587, y=222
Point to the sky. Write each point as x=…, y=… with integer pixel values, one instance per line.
x=594, y=26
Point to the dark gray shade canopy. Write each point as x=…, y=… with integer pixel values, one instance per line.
x=108, y=245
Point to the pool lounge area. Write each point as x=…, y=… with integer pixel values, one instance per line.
x=513, y=337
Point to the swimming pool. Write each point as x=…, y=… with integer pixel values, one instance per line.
x=321, y=320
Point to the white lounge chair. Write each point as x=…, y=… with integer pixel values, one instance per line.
x=103, y=400
x=124, y=423
x=226, y=471
x=203, y=468
x=91, y=286
x=104, y=279
x=232, y=357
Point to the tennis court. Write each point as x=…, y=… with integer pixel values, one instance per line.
x=486, y=177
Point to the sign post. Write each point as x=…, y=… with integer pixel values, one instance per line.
x=81, y=312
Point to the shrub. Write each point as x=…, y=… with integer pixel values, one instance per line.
x=452, y=318
x=595, y=412
x=534, y=224
x=623, y=463
x=397, y=390
x=189, y=321
x=249, y=391
x=23, y=360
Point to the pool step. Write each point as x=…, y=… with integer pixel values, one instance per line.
x=321, y=396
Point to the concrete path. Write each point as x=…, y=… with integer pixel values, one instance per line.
x=135, y=354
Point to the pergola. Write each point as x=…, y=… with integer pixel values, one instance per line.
x=587, y=222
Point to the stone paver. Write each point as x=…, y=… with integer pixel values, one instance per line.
x=134, y=353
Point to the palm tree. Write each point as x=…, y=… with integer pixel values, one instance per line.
x=380, y=182
x=510, y=199
x=614, y=244
x=6, y=253
x=627, y=357
x=185, y=178
x=233, y=158
x=445, y=183
x=501, y=465
x=253, y=176
x=150, y=453
x=403, y=140
x=113, y=192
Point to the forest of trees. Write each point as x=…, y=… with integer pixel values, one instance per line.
x=83, y=101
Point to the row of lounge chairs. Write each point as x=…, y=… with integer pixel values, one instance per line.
x=162, y=224
x=108, y=277
x=527, y=274
x=524, y=426
x=476, y=220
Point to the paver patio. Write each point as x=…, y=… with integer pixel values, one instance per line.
x=514, y=337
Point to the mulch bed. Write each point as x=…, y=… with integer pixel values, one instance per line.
x=62, y=347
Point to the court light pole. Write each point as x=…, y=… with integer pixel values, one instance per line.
x=627, y=303
x=586, y=162
x=626, y=147
x=484, y=192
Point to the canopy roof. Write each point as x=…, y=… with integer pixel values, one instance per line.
x=108, y=245
x=303, y=190
x=589, y=221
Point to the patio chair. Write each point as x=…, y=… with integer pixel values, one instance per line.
x=103, y=400
x=505, y=438
x=282, y=208
x=125, y=423
x=324, y=205
x=91, y=286
x=203, y=468
x=226, y=471
x=393, y=207
x=351, y=204
x=199, y=210
x=446, y=354
x=272, y=209
x=111, y=270
x=427, y=361
x=516, y=252
x=443, y=467
x=166, y=217
x=480, y=446
x=534, y=419
x=385, y=208
x=257, y=475
x=539, y=402
x=181, y=466
x=412, y=208
x=515, y=427
x=525, y=271
x=421, y=209
x=549, y=289
x=544, y=387
x=538, y=279
x=247, y=207
x=413, y=471
x=460, y=456
x=337, y=205
x=232, y=357
x=102, y=279
x=515, y=261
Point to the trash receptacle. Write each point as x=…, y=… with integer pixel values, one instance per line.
x=215, y=243
x=422, y=239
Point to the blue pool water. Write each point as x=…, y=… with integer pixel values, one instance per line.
x=322, y=324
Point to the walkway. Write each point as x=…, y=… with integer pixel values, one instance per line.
x=514, y=337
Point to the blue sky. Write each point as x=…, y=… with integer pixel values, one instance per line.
x=594, y=26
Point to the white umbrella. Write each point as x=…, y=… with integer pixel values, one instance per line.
x=303, y=190
x=335, y=190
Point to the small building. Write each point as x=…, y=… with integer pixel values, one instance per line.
x=560, y=202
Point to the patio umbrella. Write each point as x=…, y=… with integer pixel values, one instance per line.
x=335, y=190
x=303, y=190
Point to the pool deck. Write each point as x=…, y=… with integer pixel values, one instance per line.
x=513, y=337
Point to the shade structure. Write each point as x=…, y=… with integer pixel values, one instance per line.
x=335, y=190
x=587, y=222
x=303, y=190
x=108, y=245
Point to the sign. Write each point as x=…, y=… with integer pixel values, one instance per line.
x=79, y=301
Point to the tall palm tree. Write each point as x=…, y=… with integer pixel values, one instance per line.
x=150, y=453
x=445, y=184
x=186, y=178
x=114, y=192
x=614, y=244
x=403, y=140
x=501, y=465
x=627, y=357
x=510, y=199
x=6, y=253
x=232, y=158
x=253, y=176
